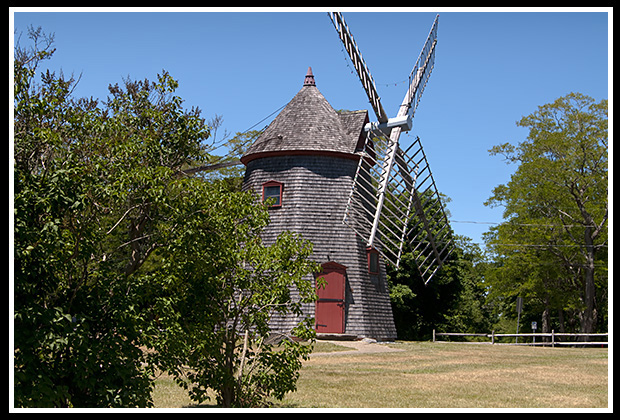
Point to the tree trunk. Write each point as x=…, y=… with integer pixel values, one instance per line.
x=561, y=320
x=546, y=321
x=588, y=318
x=228, y=395
x=228, y=388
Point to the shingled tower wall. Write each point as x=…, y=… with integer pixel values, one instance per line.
x=311, y=152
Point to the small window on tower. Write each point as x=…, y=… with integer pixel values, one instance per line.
x=272, y=191
x=373, y=260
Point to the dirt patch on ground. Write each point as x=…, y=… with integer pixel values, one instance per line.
x=357, y=346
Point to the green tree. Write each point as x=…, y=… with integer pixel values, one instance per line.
x=454, y=299
x=91, y=199
x=553, y=244
x=101, y=202
x=224, y=284
x=227, y=168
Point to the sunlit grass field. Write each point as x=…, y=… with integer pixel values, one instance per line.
x=441, y=375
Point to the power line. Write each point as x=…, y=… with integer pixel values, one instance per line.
x=277, y=110
x=547, y=262
x=518, y=224
x=527, y=245
x=548, y=245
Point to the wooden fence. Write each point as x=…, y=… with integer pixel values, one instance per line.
x=547, y=339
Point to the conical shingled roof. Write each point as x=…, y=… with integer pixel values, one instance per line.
x=309, y=124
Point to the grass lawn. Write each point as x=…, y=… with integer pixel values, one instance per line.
x=442, y=375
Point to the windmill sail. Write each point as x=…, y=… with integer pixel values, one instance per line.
x=412, y=218
x=360, y=66
x=394, y=200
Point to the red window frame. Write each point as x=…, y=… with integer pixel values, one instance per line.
x=273, y=184
x=373, y=260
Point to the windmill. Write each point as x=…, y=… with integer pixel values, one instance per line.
x=315, y=168
x=394, y=197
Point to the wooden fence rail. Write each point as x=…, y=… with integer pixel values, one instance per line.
x=552, y=335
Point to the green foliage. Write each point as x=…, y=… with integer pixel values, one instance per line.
x=454, y=298
x=115, y=251
x=552, y=248
x=76, y=319
x=224, y=284
x=452, y=301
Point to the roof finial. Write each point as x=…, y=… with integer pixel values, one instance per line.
x=309, y=80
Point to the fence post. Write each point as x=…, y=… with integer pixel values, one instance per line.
x=493, y=337
x=433, y=335
x=552, y=338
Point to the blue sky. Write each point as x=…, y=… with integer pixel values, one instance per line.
x=492, y=67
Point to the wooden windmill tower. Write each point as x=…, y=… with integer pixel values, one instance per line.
x=306, y=159
x=320, y=165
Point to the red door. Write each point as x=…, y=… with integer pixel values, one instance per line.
x=329, y=314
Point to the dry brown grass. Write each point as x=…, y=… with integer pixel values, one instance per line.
x=432, y=375
x=438, y=375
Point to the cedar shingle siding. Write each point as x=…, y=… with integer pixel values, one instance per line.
x=311, y=150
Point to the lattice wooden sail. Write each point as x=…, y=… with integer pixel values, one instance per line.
x=413, y=217
x=394, y=201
